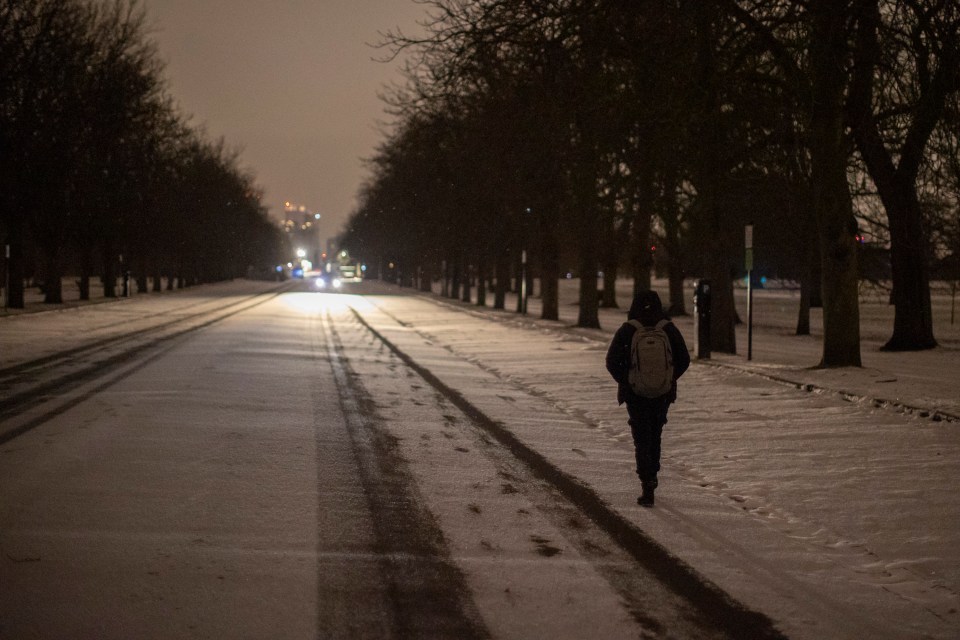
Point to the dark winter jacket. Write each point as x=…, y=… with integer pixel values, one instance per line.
x=648, y=310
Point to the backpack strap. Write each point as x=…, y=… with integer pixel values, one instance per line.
x=639, y=325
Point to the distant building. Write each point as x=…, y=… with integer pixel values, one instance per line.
x=303, y=228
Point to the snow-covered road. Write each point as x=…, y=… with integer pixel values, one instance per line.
x=352, y=458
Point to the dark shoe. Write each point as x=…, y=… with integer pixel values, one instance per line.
x=646, y=498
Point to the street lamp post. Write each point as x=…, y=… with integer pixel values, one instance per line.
x=316, y=254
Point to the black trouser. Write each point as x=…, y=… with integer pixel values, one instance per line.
x=646, y=426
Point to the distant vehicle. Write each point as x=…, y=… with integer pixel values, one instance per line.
x=327, y=281
x=350, y=273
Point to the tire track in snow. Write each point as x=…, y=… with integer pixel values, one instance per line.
x=74, y=368
x=428, y=594
x=704, y=597
x=855, y=561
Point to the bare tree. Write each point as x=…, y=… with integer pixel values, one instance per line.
x=907, y=66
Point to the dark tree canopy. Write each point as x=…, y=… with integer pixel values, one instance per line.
x=623, y=126
x=98, y=172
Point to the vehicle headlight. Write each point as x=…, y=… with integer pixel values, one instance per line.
x=336, y=283
x=320, y=283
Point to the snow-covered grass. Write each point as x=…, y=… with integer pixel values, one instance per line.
x=925, y=380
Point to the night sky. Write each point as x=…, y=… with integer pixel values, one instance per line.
x=292, y=83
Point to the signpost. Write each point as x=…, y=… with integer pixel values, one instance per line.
x=748, y=243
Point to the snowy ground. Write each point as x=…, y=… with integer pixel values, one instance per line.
x=928, y=380
x=825, y=499
x=816, y=499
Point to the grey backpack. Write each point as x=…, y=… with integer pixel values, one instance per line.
x=651, y=360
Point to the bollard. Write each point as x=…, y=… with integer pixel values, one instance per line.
x=701, y=319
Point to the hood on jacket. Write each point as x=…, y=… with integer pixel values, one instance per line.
x=646, y=308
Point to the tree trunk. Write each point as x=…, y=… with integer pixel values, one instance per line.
x=642, y=276
x=142, y=286
x=455, y=279
x=913, y=316
x=482, y=280
x=610, y=263
x=678, y=305
x=549, y=271
x=709, y=182
x=643, y=206
x=672, y=244
x=610, y=267
x=466, y=283
x=519, y=282
x=515, y=269
x=15, y=292
x=587, y=219
x=803, y=314
x=589, y=315
x=841, y=309
x=109, y=274
x=83, y=285
x=84, y=264
x=806, y=282
x=502, y=273
x=836, y=224
x=897, y=184
x=53, y=279
x=810, y=271
x=723, y=317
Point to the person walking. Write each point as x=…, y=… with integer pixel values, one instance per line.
x=646, y=357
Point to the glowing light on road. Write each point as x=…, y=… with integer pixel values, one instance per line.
x=313, y=303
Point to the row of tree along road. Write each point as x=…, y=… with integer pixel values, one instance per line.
x=619, y=136
x=99, y=172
